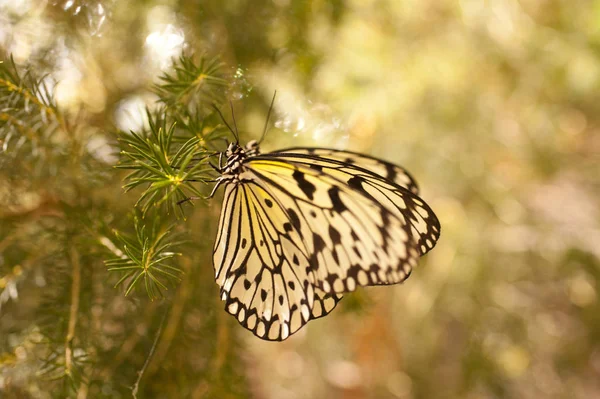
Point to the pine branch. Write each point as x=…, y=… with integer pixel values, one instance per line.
x=192, y=86
x=170, y=157
x=164, y=165
x=30, y=121
x=146, y=258
x=63, y=351
x=56, y=237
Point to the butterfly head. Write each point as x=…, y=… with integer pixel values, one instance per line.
x=236, y=154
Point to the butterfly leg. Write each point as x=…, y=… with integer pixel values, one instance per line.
x=219, y=181
x=215, y=167
x=190, y=199
x=220, y=162
x=202, y=158
x=219, y=168
x=216, y=186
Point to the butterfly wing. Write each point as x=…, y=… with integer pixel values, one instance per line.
x=393, y=173
x=350, y=238
x=395, y=190
x=262, y=266
x=299, y=228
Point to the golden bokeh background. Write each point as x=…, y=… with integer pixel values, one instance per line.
x=494, y=107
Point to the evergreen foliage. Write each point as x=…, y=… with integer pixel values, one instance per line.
x=88, y=336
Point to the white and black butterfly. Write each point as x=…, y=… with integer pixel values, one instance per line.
x=301, y=226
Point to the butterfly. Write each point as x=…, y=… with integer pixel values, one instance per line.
x=299, y=227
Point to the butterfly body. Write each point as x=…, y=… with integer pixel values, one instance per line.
x=299, y=227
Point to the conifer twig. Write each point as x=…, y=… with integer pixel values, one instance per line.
x=135, y=387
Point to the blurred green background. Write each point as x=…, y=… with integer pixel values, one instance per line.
x=494, y=107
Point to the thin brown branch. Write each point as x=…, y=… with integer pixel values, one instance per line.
x=183, y=293
x=135, y=387
x=73, y=312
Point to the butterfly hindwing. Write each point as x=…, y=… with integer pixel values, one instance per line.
x=261, y=268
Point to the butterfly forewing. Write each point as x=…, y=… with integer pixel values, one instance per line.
x=400, y=199
x=376, y=166
x=350, y=239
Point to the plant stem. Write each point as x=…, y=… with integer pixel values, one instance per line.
x=135, y=387
x=75, y=289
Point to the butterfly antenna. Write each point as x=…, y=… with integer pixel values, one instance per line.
x=268, y=115
x=226, y=124
x=237, y=134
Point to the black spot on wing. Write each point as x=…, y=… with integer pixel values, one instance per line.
x=319, y=243
x=336, y=202
x=307, y=187
x=241, y=270
x=390, y=172
x=335, y=256
x=294, y=219
x=356, y=183
x=332, y=278
x=335, y=235
x=318, y=246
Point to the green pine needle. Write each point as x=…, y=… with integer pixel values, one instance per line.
x=166, y=167
x=30, y=122
x=191, y=85
x=170, y=157
x=147, y=257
